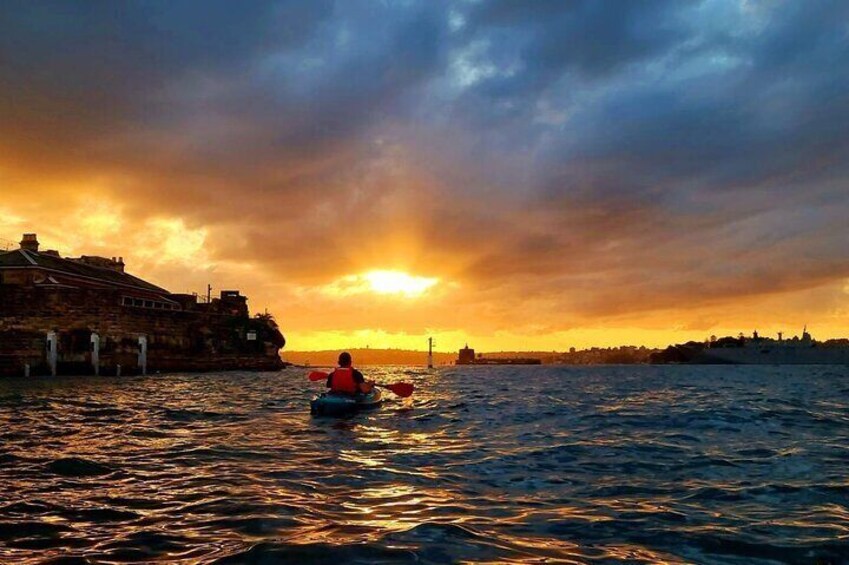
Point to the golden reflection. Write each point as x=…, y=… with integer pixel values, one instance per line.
x=636, y=553
x=371, y=513
x=357, y=457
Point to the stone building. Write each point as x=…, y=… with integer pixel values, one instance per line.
x=85, y=315
x=467, y=356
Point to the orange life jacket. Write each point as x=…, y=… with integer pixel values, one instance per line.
x=343, y=381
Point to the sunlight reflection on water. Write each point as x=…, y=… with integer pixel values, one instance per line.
x=484, y=464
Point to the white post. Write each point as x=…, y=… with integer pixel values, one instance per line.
x=118, y=371
x=26, y=370
x=52, y=352
x=95, y=353
x=143, y=354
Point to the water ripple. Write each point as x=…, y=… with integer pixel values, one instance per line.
x=485, y=464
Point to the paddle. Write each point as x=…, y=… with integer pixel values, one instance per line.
x=401, y=389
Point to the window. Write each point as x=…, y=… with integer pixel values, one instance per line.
x=154, y=304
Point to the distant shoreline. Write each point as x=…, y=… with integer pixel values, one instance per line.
x=367, y=356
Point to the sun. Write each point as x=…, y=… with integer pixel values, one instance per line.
x=397, y=282
x=394, y=283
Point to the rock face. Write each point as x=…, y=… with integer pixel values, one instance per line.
x=91, y=312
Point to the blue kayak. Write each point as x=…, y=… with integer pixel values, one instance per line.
x=330, y=404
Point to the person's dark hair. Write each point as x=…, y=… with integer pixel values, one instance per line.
x=344, y=359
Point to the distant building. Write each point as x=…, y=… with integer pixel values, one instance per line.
x=87, y=314
x=466, y=356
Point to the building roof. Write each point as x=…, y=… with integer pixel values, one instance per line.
x=14, y=259
x=21, y=258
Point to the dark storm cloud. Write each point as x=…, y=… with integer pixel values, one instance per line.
x=655, y=145
x=779, y=110
x=71, y=43
x=589, y=36
x=74, y=73
x=716, y=121
x=271, y=70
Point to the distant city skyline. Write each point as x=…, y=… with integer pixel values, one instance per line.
x=518, y=176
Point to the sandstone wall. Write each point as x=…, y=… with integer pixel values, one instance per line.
x=177, y=340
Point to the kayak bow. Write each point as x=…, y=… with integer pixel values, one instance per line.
x=330, y=404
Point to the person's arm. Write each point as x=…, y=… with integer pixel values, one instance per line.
x=359, y=379
x=330, y=378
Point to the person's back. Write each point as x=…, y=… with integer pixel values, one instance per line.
x=345, y=379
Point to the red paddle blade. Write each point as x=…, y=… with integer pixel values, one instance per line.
x=318, y=376
x=401, y=389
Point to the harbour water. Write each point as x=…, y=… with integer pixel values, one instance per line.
x=677, y=464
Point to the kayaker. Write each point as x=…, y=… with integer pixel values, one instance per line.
x=347, y=380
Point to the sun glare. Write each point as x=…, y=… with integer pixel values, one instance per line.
x=395, y=283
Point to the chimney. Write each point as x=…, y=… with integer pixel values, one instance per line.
x=119, y=265
x=30, y=242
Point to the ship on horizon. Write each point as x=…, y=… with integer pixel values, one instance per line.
x=758, y=350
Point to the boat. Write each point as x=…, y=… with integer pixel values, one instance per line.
x=332, y=404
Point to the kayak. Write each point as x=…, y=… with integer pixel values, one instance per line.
x=330, y=404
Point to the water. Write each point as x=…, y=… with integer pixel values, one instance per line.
x=486, y=464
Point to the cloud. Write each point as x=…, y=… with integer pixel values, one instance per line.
x=169, y=240
x=564, y=163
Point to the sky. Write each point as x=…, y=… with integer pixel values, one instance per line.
x=515, y=175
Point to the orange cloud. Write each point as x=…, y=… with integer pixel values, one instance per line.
x=473, y=182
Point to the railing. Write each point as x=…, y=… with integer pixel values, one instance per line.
x=201, y=297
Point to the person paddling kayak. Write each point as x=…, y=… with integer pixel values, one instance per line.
x=349, y=391
x=347, y=380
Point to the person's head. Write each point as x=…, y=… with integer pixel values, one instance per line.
x=344, y=359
